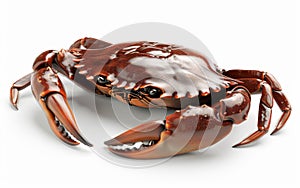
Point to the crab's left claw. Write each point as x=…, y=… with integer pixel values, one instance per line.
x=49, y=92
x=183, y=131
x=64, y=120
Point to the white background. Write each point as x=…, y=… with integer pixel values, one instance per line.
x=240, y=34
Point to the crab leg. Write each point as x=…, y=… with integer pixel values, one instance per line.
x=49, y=92
x=185, y=130
x=284, y=106
x=264, y=115
x=255, y=81
x=20, y=84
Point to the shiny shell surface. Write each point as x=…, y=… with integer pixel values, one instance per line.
x=179, y=72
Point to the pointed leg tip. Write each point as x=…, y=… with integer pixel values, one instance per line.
x=14, y=95
x=236, y=145
x=242, y=143
x=274, y=132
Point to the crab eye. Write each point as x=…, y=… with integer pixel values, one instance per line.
x=153, y=92
x=102, y=80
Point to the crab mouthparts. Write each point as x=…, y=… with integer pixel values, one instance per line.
x=139, y=141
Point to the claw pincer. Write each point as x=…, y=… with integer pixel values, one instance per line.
x=49, y=92
x=186, y=130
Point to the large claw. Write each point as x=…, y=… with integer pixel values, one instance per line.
x=63, y=120
x=183, y=131
x=49, y=92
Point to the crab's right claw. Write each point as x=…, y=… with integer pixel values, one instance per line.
x=49, y=92
x=183, y=131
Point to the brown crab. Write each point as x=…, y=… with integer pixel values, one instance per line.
x=150, y=74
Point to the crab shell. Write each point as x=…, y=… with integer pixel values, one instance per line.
x=182, y=75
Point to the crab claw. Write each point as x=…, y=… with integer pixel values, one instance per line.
x=183, y=131
x=65, y=124
x=49, y=92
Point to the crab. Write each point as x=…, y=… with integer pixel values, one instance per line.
x=207, y=100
